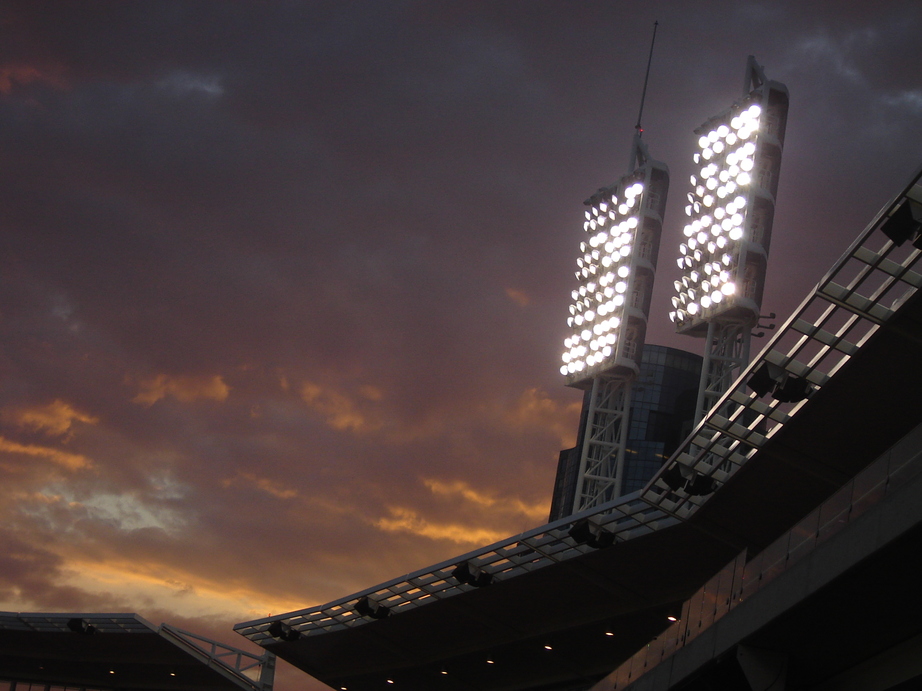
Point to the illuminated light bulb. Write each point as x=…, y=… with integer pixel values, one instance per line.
x=719, y=213
x=708, y=200
x=689, y=230
x=688, y=262
x=728, y=288
x=706, y=154
x=622, y=209
x=711, y=248
x=693, y=308
x=708, y=269
x=580, y=366
x=732, y=139
x=675, y=301
x=755, y=110
x=619, y=300
x=745, y=132
x=578, y=319
x=592, y=224
x=609, y=291
x=606, y=351
x=746, y=164
x=702, y=237
x=602, y=220
x=737, y=219
x=632, y=222
x=586, y=334
x=606, y=261
x=698, y=255
x=603, y=206
x=688, y=210
x=623, y=271
x=620, y=286
x=706, y=220
x=694, y=276
x=712, y=136
x=718, y=147
x=705, y=301
x=678, y=286
x=570, y=321
x=743, y=179
x=703, y=142
x=716, y=297
x=736, y=233
x=748, y=148
x=696, y=158
x=590, y=315
x=732, y=159
x=681, y=262
x=726, y=259
x=615, y=323
x=711, y=184
x=626, y=251
x=727, y=224
x=680, y=315
x=564, y=370
x=637, y=187
x=693, y=180
x=672, y=318
x=566, y=357
x=692, y=243
x=731, y=187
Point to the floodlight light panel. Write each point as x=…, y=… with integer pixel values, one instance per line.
x=602, y=320
x=730, y=207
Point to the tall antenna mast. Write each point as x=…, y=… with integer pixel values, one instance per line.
x=639, y=153
x=646, y=79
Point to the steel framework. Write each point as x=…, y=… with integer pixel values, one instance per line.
x=601, y=469
x=726, y=353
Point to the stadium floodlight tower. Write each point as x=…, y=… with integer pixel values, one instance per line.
x=608, y=316
x=731, y=208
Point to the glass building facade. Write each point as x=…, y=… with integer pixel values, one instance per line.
x=662, y=413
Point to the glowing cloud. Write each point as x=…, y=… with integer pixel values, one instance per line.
x=71, y=461
x=535, y=409
x=459, y=488
x=403, y=520
x=343, y=412
x=55, y=418
x=182, y=388
x=261, y=483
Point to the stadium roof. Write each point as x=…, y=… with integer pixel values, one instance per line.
x=561, y=613
x=122, y=651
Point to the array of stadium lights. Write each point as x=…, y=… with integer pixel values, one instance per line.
x=717, y=208
x=604, y=274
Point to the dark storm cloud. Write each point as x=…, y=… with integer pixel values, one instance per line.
x=285, y=284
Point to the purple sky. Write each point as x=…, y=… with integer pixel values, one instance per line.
x=283, y=286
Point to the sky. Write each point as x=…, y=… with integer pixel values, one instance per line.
x=284, y=286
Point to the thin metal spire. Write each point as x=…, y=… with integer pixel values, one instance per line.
x=643, y=96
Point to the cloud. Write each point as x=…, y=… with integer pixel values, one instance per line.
x=519, y=297
x=488, y=499
x=70, y=461
x=407, y=520
x=182, y=388
x=56, y=418
x=263, y=484
x=18, y=73
x=343, y=412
